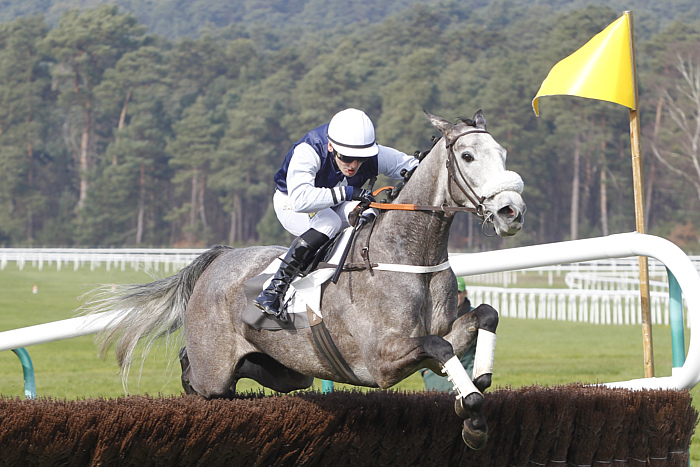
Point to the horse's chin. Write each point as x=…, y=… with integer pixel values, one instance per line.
x=512, y=230
x=508, y=213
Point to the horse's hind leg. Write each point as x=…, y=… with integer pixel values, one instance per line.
x=186, y=370
x=187, y=374
x=272, y=374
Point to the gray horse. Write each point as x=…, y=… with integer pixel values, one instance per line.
x=380, y=326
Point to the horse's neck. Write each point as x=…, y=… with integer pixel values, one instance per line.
x=418, y=236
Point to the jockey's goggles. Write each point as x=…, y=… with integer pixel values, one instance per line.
x=348, y=159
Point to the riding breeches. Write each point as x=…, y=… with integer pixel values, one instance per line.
x=329, y=221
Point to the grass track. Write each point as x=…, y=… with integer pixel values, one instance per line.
x=528, y=351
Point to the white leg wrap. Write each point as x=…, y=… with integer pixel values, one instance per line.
x=485, y=350
x=459, y=377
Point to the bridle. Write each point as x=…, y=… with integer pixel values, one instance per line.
x=453, y=170
x=455, y=178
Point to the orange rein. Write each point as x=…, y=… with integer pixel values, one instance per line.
x=414, y=207
x=390, y=206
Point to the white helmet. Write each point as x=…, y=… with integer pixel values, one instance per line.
x=351, y=133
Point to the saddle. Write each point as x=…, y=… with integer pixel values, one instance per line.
x=303, y=298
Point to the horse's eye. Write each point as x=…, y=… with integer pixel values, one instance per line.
x=467, y=157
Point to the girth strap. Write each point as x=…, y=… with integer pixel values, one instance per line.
x=324, y=342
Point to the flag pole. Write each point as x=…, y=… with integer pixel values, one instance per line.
x=638, y=181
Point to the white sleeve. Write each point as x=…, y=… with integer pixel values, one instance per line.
x=391, y=162
x=303, y=193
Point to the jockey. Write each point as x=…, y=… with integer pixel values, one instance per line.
x=319, y=184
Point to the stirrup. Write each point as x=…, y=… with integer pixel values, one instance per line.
x=280, y=315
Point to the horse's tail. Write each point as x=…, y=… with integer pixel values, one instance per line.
x=146, y=311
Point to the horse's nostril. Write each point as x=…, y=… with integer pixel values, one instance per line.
x=507, y=212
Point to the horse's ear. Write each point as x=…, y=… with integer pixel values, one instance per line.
x=480, y=120
x=440, y=123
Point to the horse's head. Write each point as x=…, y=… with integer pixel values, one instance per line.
x=478, y=175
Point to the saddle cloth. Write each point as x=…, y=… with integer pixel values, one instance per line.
x=304, y=292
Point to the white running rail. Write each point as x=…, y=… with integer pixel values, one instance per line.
x=613, y=246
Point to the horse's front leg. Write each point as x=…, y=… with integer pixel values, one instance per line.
x=397, y=356
x=480, y=323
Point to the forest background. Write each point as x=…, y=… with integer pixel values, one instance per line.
x=160, y=123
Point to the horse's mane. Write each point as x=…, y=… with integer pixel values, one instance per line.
x=467, y=121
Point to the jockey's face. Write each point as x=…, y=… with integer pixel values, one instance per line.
x=347, y=166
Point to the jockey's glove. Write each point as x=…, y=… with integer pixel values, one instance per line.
x=363, y=196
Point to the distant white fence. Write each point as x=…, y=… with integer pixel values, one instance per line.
x=577, y=305
x=170, y=259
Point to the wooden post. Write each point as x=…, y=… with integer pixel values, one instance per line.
x=638, y=180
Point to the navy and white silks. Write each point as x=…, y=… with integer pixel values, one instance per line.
x=312, y=192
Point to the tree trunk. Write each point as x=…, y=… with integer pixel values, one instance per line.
x=193, y=206
x=604, y=194
x=235, y=233
x=575, y=189
x=470, y=233
x=232, y=227
x=239, y=217
x=120, y=125
x=85, y=156
x=142, y=205
x=651, y=178
x=200, y=197
x=122, y=117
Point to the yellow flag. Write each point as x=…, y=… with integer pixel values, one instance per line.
x=602, y=69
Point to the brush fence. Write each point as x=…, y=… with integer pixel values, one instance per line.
x=534, y=426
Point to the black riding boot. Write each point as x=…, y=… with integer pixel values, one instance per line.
x=300, y=255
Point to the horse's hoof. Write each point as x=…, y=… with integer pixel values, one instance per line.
x=474, y=438
x=466, y=407
x=474, y=428
x=483, y=382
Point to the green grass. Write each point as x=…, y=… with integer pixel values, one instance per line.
x=528, y=351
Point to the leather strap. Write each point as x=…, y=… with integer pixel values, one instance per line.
x=324, y=342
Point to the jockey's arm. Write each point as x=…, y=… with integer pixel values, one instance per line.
x=391, y=162
x=303, y=193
